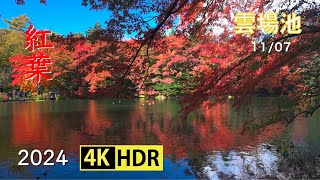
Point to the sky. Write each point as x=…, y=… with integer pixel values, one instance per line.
x=59, y=16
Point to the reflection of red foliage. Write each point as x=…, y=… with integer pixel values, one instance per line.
x=28, y=126
x=95, y=124
x=32, y=127
x=212, y=133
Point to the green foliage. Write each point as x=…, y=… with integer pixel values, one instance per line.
x=256, y=65
x=20, y=23
x=172, y=89
x=97, y=27
x=11, y=43
x=96, y=33
x=311, y=76
x=3, y=97
x=179, y=87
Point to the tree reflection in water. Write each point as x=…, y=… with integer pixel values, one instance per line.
x=209, y=144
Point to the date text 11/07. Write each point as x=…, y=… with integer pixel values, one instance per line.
x=36, y=158
x=278, y=46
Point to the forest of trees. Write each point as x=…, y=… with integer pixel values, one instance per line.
x=189, y=50
x=90, y=65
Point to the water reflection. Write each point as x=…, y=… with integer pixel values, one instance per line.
x=258, y=163
x=209, y=144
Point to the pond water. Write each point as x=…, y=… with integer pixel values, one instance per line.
x=207, y=145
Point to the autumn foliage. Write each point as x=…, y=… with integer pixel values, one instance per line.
x=189, y=50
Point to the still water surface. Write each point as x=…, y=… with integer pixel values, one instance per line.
x=208, y=145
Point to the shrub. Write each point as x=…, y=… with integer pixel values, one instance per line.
x=34, y=95
x=3, y=97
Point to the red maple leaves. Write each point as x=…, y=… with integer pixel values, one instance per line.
x=202, y=53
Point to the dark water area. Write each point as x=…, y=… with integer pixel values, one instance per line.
x=208, y=145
